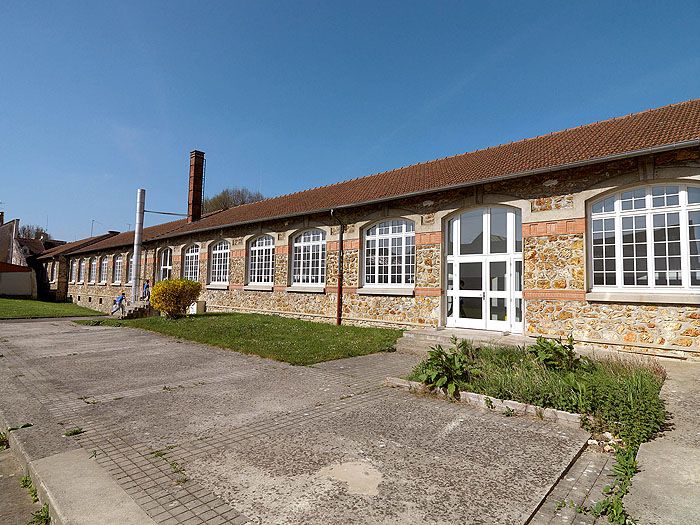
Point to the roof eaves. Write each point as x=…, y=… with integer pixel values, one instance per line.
x=547, y=169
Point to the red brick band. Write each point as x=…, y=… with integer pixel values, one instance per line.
x=282, y=250
x=555, y=295
x=238, y=253
x=349, y=244
x=428, y=292
x=563, y=227
x=428, y=238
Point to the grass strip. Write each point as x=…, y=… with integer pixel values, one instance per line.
x=285, y=339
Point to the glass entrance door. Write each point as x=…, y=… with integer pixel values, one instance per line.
x=484, y=270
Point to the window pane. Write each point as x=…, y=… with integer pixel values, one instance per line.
x=498, y=310
x=470, y=308
x=497, y=276
x=470, y=276
x=518, y=232
x=499, y=230
x=693, y=195
x=471, y=232
x=604, y=252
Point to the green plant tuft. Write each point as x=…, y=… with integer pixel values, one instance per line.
x=73, y=431
x=446, y=370
x=41, y=516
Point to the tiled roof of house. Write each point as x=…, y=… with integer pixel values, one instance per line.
x=75, y=245
x=672, y=124
x=127, y=238
x=34, y=246
x=676, y=125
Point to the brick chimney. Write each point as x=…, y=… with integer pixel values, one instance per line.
x=2, y=218
x=194, y=200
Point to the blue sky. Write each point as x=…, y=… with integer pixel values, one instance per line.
x=99, y=99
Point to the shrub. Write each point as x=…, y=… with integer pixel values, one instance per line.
x=557, y=355
x=174, y=296
x=448, y=369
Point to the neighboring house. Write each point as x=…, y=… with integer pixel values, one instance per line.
x=593, y=231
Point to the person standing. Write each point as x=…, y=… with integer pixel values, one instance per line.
x=146, y=295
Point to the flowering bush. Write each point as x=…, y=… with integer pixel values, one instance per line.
x=174, y=296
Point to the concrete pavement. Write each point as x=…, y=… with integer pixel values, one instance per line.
x=186, y=433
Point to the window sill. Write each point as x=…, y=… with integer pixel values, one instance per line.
x=117, y=283
x=368, y=290
x=217, y=286
x=643, y=297
x=306, y=289
x=258, y=288
x=101, y=284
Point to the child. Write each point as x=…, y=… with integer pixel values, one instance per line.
x=119, y=304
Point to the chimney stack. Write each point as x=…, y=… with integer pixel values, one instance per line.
x=194, y=201
x=2, y=218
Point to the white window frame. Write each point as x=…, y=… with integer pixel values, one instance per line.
x=683, y=208
x=190, y=263
x=73, y=270
x=261, y=260
x=383, y=232
x=92, y=274
x=308, y=270
x=81, y=271
x=53, y=271
x=219, y=261
x=165, y=264
x=129, y=268
x=104, y=267
x=117, y=269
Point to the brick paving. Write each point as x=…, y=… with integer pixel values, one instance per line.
x=158, y=477
x=581, y=486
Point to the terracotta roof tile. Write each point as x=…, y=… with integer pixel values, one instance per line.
x=632, y=134
x=653, y=128
x=70, y=246
x=127, y=238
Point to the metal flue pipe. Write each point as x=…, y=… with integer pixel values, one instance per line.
x=138, y=234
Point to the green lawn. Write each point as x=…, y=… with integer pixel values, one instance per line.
x=291, y=340
x=26, y=308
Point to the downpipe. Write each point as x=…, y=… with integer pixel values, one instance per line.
x=339, y=300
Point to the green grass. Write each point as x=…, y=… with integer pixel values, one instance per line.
x=27, y=309
x=291, y=340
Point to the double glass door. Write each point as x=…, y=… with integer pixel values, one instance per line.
x=485, y=270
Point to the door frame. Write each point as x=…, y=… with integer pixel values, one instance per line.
x=514, y=290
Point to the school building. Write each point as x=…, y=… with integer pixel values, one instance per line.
x=593, y=231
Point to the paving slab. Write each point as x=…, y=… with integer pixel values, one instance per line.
x=667, y=488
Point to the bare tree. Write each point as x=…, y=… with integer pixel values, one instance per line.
x=229, y=198
x=32, y=231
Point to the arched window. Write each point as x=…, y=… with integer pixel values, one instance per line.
x=81, y=271
x=190, y=266
x=73, y=270
x=309, y=258
x=390, y=253
x=117, y=270
x=646, y=238
x=218, y=266
x=166, y=264
x=93, y=270
x=103, y=269
x=261, y=260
